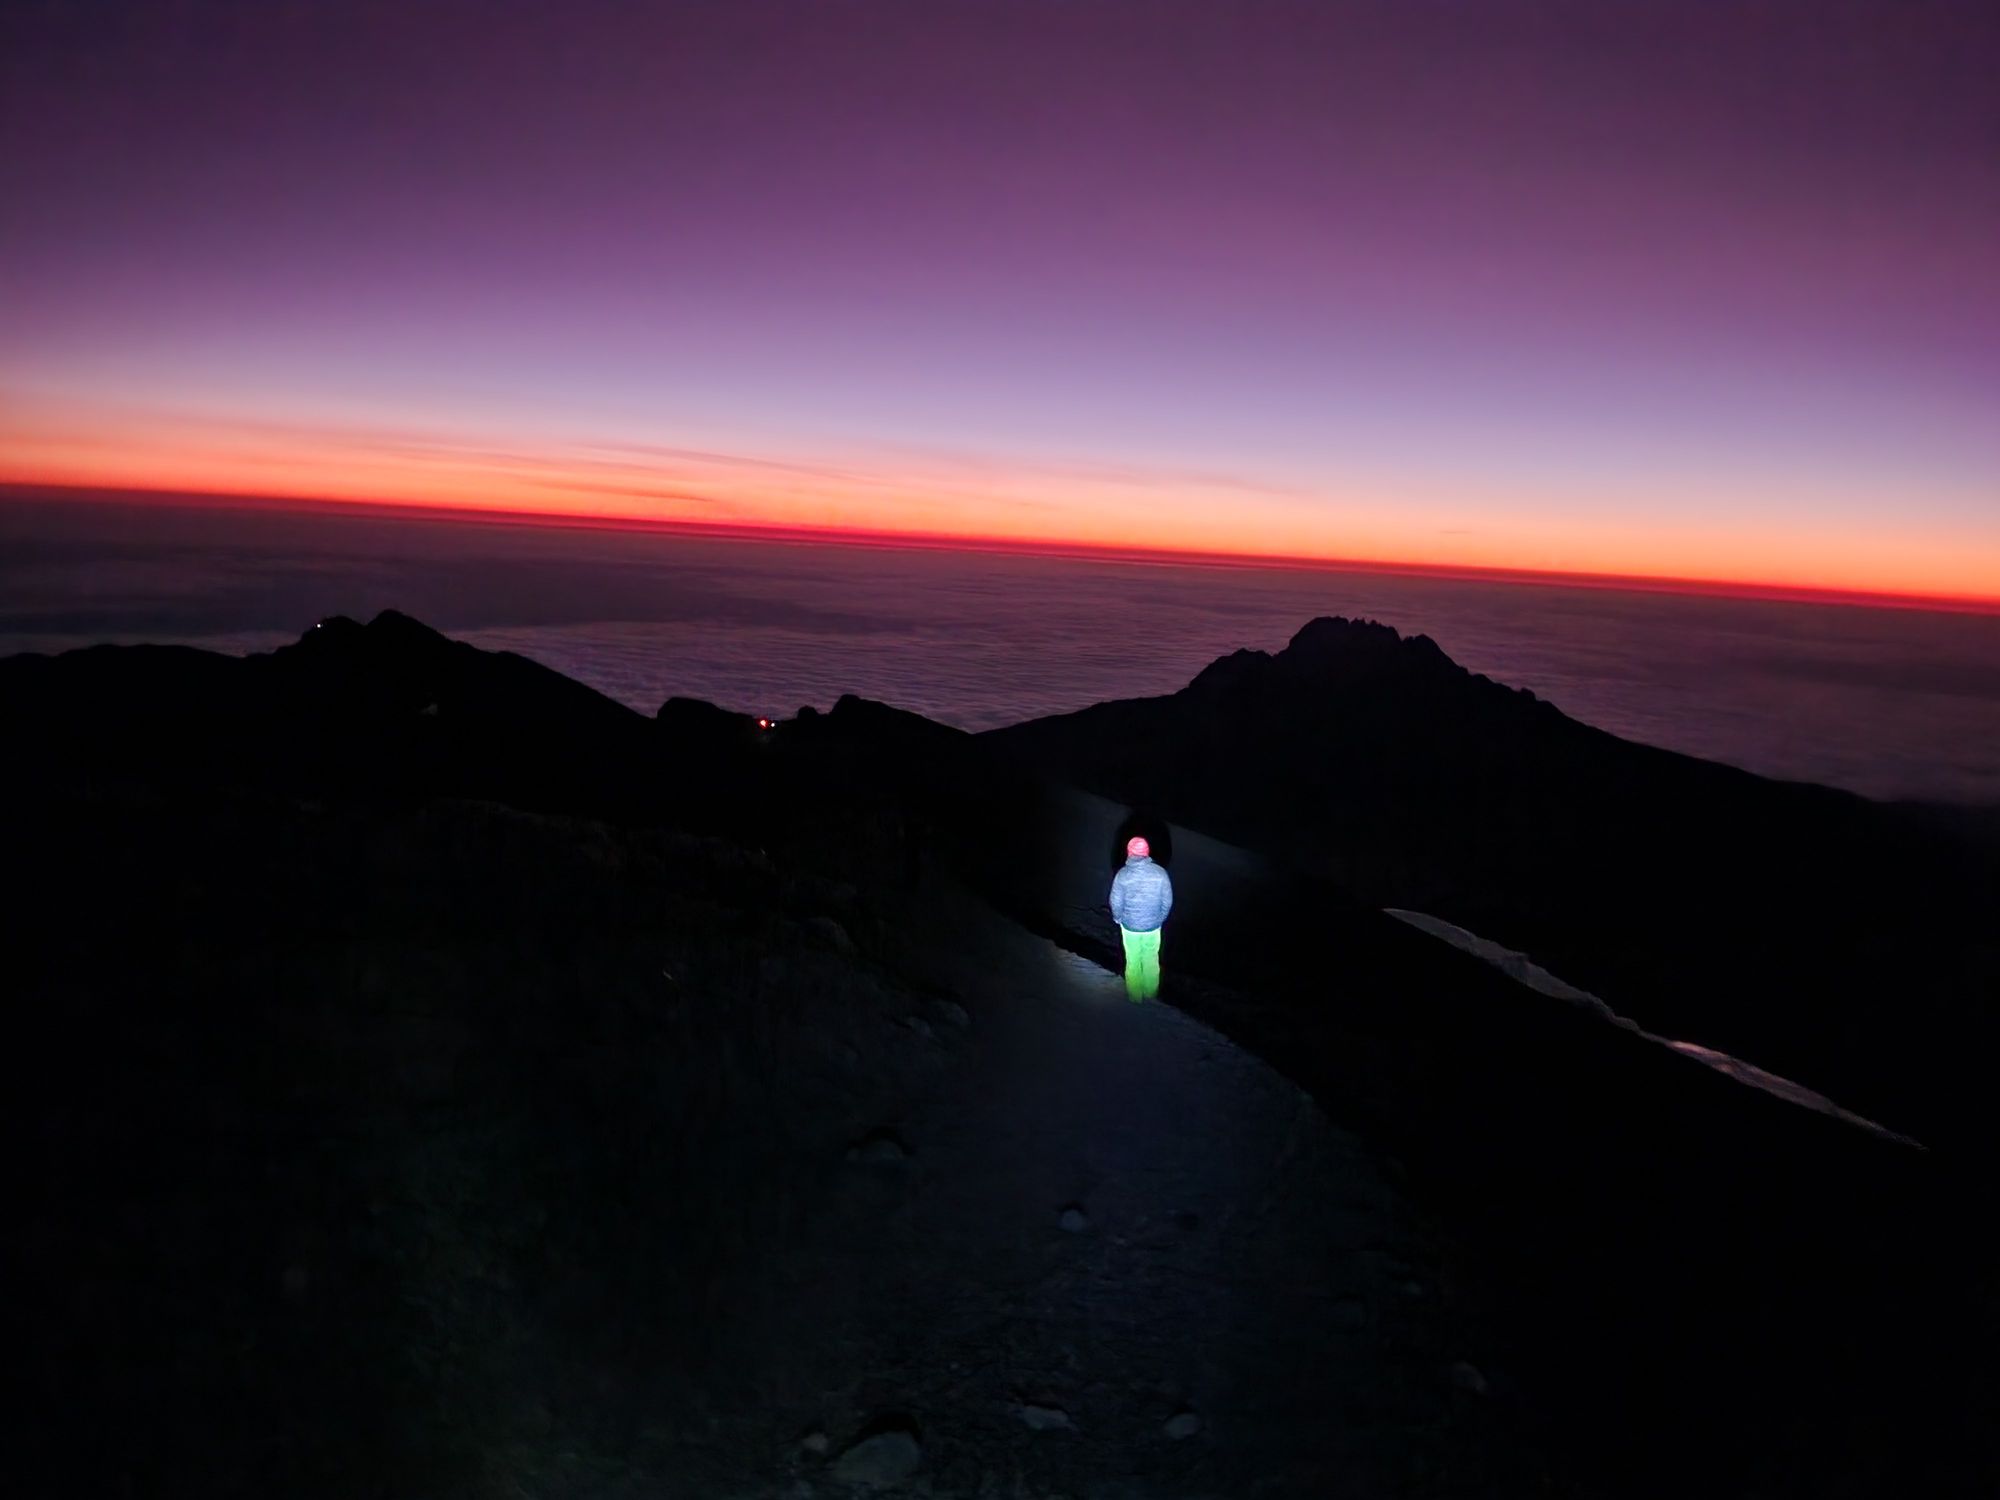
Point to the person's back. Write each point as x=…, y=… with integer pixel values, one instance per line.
x=1142, y=894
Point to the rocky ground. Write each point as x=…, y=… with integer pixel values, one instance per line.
x=457, y=1150
x=431, y=1079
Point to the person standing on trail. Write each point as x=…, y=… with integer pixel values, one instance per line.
x=1141, y=897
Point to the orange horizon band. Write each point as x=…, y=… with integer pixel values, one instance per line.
x=443, y=511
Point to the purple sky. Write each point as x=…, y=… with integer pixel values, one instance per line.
x=1687, y=288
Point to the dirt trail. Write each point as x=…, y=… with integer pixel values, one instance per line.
x=1110, y=1254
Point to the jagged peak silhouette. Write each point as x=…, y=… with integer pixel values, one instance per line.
x=1333, y=651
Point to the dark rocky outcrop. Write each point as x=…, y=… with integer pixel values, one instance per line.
x=382, y=909
x=1839, y=941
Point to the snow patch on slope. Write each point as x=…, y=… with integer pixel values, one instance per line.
x=1524, y=970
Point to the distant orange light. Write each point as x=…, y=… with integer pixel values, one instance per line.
x=763, y=723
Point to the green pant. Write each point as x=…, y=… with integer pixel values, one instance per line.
x=1142, y=963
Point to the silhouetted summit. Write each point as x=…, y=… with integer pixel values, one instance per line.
x=1336, y=654
x=1333, y=650
x=1767, y=918
x=433, y=1008
x=395, y=665
x=389, y=707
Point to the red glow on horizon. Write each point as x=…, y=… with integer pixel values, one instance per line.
x=1717, y=532
x=1407, y=292
x=1051, y=548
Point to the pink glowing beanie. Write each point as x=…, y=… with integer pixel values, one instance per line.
x=1137, y=848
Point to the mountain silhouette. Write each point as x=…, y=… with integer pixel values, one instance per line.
x=1840, y=941
x=529, y=1024
x=389, y=708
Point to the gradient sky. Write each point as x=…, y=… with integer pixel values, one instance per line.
x=1691, y=289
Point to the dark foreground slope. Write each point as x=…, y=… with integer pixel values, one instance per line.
x=386, y=1139
x=1839, y=941
x=458, y=1102
x=1701, y=1288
